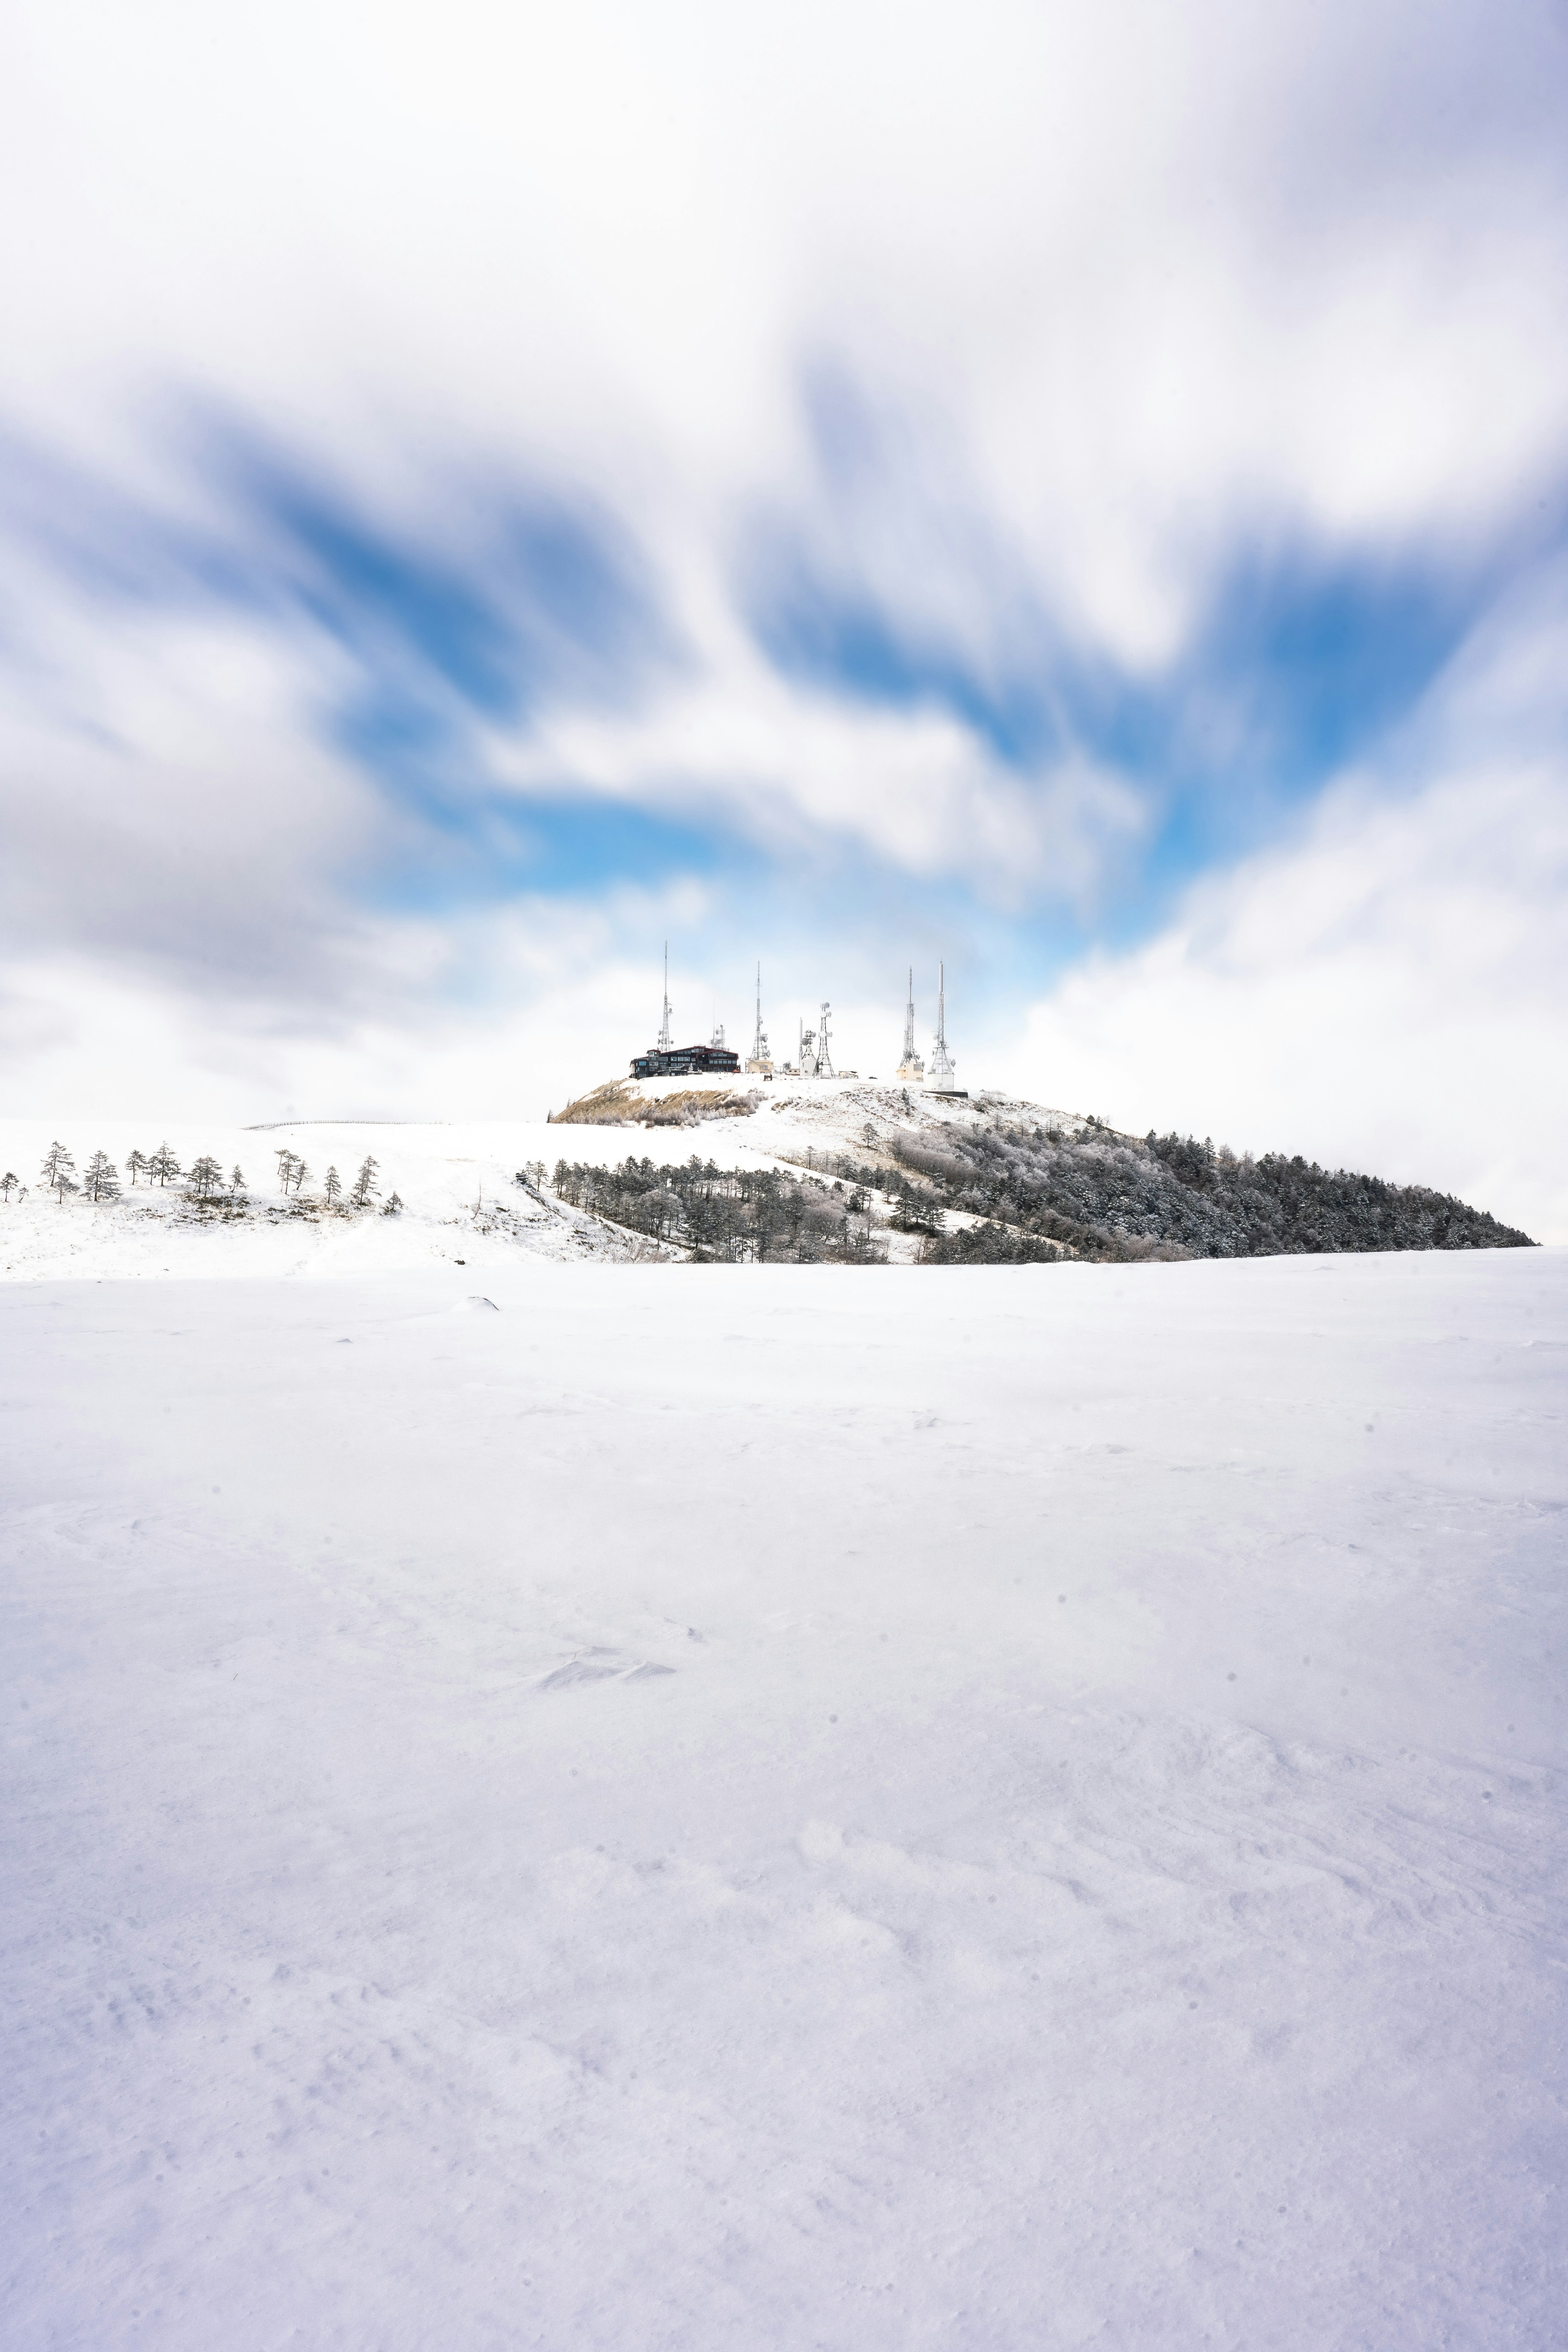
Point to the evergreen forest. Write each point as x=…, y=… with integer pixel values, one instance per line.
x=1029, y=1195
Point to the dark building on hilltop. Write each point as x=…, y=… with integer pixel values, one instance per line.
x=681, y=1061
x=669, y=1060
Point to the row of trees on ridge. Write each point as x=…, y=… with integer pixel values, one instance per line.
x=205, y=1180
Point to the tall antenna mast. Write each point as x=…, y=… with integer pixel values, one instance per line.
x=666, y=1041
x=761, y=1062
x=912, y=1065
x=942, y=1079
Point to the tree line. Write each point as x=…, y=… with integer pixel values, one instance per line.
x=205, y=1180
x=1099, y=1195
x=1037, y=1194
x=734, y=1216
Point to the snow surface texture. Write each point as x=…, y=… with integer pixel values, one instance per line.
x=640, y=1806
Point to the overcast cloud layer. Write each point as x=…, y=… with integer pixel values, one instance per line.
x=1081, y=492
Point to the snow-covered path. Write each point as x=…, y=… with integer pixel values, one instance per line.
x=787, y=1807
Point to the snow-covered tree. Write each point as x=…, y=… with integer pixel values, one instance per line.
x=392, y=1206
x=100, y=1178
x=164, y=1164
x=333, y=1188
x=8, y=1184
x=138, y=1165
x=300, y=1172
x=206, y=1177
x=284, y=1159
x=365, y=1187
x=236, y=1179
x=58, y=1168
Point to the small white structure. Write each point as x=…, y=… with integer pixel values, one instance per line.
x=912, y=1066
x=942, y=1077
x=815, y=1049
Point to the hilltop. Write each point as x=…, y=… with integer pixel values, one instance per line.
x=988, y=1178
x=854, y=1169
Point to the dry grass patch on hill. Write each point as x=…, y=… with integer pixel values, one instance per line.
x=619, y=1105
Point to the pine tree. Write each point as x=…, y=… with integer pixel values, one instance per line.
x=57, y=1169
x=392, y=1206
x=300, y=1172
x=332, y=1187
x=236, y=1179
x=100, y=1178
x=206, y=1177
x=164, y=1164
x=137, y=1165
x=365, y=1187
x=284, y=1159
x=8, y=1184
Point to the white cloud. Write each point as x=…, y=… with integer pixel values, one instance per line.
x=164, y=796
x=1161, y=267
x=1388, y=994
x=1389, y=989
x=789, y=765
x=546, y=1004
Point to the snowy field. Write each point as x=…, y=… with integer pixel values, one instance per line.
x=786, y=1807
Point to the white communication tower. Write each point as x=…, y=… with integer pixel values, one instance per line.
x=666, y=1041
x=761, y=1060
x=912, y=1065
x=824, y=1055
x=943, y=1080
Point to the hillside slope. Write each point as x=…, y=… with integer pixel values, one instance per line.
x=988, y=1180
x=778, y=1171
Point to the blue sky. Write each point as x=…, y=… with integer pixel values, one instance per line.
x=480, y=493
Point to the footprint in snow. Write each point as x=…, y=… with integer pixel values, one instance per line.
x=600, y=1666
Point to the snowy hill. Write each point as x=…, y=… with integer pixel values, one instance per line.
x=989, y=1177
x=462, y=1205
x=457, y=1183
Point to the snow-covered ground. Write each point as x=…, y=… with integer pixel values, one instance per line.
x=786, y=1807
x=461, y=1204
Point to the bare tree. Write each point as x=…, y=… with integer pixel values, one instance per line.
x=333, y=1188
x=138, y=1165
x=164, y=1164
x=8, y=1184
x=206, y=1177
x=365, y=1187
x=100, y=1178
x=57, y=1169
